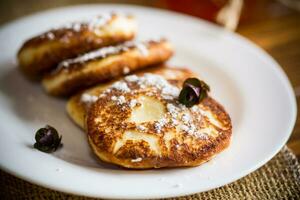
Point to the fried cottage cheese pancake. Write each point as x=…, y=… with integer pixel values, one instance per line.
x=105, y=64
x=42, y=53
x=78, y=104
x=138, y=123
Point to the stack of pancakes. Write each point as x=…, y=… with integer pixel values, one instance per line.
x=124, y=96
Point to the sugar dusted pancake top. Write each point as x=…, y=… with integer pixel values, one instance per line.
x=63, y=33
x=105, y=64
x=40, y=55
x=138, y=123
x=78, y=104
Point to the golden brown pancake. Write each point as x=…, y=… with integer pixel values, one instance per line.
x=42, y=53
x=105, y=64
x=137, y=122
x=78, y=104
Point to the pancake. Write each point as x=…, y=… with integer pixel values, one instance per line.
x=42, y=53
x=137, y=122
x=105, y=64
x=78, y=104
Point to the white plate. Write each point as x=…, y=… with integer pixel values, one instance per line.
x=249, y=83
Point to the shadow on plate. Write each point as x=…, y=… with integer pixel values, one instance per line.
x=31, y=105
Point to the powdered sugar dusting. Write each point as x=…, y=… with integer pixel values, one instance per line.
x=137, y=160
x=50, y=35
x=126, y=70
x=133, y=103
x=168, y=91
x=186, y=118
x=141, y=128
x=103, y=53
x=195, y=108
x=98, y=22
x=93, y=25
x=142, y=48
x=177, y=115
x=121, y=86
x=160, y=124
x=87, y=98
x=173, y=110
x=132, y=78
x=119, y=99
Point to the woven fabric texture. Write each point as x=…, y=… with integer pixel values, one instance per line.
x=278, y=179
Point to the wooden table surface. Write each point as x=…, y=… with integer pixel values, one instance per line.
x=267, y=23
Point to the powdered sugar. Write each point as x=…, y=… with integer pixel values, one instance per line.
x=184, y=128
x=178, y=115
x=114, y=98
x=142, y=48
x=168, y=91
x=98, y=22
x=141, y=128
x=126, y=70
x=190, y=128
x=50, y=35
x=133, y=103
x=132, y=78
x=160, y=124
x=174, y=121
x=103, y=53
x=195, y=108
x=119, y=99
x=137, y=160
x=87, y=98
x=172, y=110
x=186, y=121
x=153, y=80
x=121, y=86
x=186, y=118
x=93, y=25
x=76, y=26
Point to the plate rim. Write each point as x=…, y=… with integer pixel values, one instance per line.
x=241, y=39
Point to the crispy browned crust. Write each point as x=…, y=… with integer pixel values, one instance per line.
x=41, y=54
x=104, y=134
x=77, y=109
x=67, y=81
x=186, y=157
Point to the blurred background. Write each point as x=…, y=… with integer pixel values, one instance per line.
x=274, y=25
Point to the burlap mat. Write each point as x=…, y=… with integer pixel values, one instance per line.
x=278, y=179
